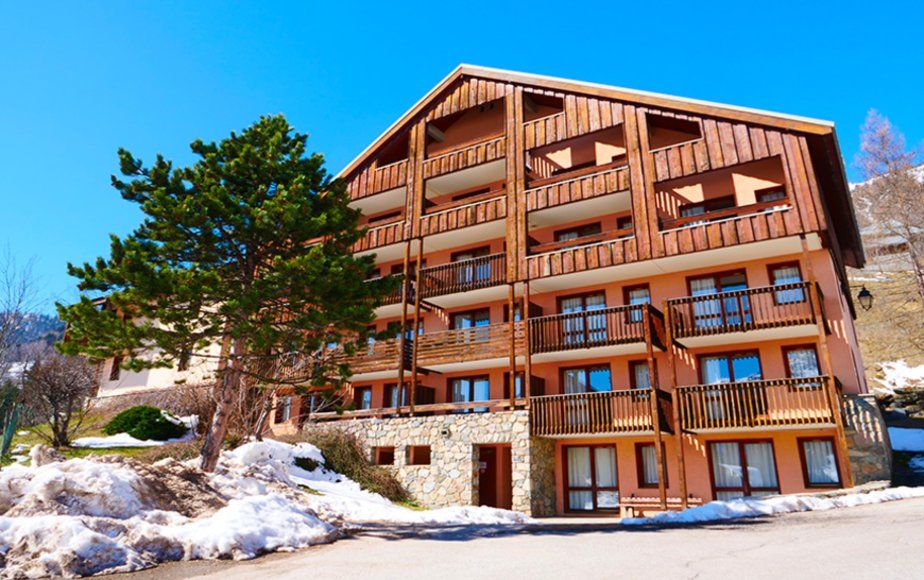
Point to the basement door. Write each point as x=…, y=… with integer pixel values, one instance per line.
x=495, y=482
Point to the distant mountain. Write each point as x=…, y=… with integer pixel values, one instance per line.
x=37, y=330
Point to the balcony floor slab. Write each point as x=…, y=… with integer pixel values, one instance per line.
x=589, y=353
x=759, y=335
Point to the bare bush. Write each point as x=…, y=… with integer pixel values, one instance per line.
x=57, y=390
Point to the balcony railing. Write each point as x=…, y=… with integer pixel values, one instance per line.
x=380, y=235
x=582, y=241
x=466, y=155
x=454, y=215
x=791, y=402
x=420, y=409
x=464, y=275
x=394, y=297
x=377, y=356
x=578, y=330
x=743, y=310
x=374, y=180
x=626, y=411
x=721, y=214
x=468, y=344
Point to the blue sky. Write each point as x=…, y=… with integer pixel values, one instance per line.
x=80, y=80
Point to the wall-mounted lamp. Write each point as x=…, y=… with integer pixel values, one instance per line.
x=865, y=298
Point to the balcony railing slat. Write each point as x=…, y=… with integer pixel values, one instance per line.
x=578, y=330
x=625, y=411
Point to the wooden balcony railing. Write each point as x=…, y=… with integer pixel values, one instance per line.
x=791, y=402
x=374, y=180
x=721, y=214
x=395, y=296
x=464, y=275
x=468, y=344
x=582, y=241
x=381, y=235
x=468, y=212
x=578, y=330
x=743, y=310
x=492, y=148
x=626, y=411
x=423, y=409
x=381, y=355
x=593, y=182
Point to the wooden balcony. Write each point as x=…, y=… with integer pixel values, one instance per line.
x=382, y=235
x=610, y=326
x=722, y=214
x=577, y=186
x=395, y=296
x=464, y=275
x=378, y=356
x=476, y=210
x=374, y=180
x=582, y=258
x=772, y=403
x=492, y=405
x=602, y=237
x=450, y=347
x=468, y=155
x=625, y=412
x=767, y=307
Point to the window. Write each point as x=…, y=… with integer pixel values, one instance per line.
x=801, y=361
x=819, y=463
x=728, y=310
x=418, y=455
x=787, y=274
x=471, y=318
x=728, y=368
x=469, y=389
x=593, y=379
x=518, y=385
x=770, y=194
x=383, y=455
x=706, y=206
x=362, y=397
x=283, y=409
x=391, y=393
x=578, y=232
x=587, y=329
x=633, y=296
x=647, y=464
x=116, y=371
x=639, y=375
x=624, y=222
x=479, y=271
x=590, y=478
x=742, y=469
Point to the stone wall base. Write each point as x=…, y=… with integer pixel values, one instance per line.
x=867, y=440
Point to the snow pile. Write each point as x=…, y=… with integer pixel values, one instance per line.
x=898, y=375
x=125, y=440
x=782, y=504
x=115, y=514
x=907, y=439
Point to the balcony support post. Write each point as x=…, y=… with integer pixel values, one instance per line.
x=405, y=287
x=511, y=319
x=528, y=366
x=830, y=388
x=678, y=427
x=414, y=346
x=654, y=402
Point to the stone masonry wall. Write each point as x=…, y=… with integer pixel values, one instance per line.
x=451, y=478
x=867, y=440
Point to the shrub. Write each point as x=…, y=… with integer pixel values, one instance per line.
x=343, y=454
x=145, y=423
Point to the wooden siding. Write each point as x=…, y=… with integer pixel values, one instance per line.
x=384, y=235
x=463, y=216
x=579, y=259
x=582, y=115
x=468, y=344
x=469, y=156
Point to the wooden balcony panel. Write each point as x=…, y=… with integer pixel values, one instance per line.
x=382, y=235
x=582, y=258
x=566, y=190
x=382, y=355
x=582, y=241
x=580, y=330
x=395, y=296
x=737, y=229
x=607, y=412
x=464, y=275
x=493, y=405
x=468, y=344
x=545, y=130
x=374, y=180
x=743, y=310
x=771, y=403
x=467, y=156
x=440, y=219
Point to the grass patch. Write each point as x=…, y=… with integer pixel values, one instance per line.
x=343, y=454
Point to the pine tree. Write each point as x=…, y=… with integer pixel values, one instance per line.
x=250, y=248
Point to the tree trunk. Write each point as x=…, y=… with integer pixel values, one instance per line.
x=230, y=384
x=265, y=409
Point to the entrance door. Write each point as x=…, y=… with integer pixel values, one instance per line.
x=495, y=482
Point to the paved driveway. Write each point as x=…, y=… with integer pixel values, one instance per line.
x=878, y=541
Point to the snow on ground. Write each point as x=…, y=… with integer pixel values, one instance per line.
x=897, y=374
x=907, y=439
x=125, y=440
x=114, y=514
x=782, y=504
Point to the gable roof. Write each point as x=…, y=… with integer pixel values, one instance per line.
x=695, y=106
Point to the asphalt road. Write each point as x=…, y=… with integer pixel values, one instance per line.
x=878, y=541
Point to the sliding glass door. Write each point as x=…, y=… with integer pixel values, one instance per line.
x=743, y=469
x=591, y=478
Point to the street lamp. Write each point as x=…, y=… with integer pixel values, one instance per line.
x=865, y=298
